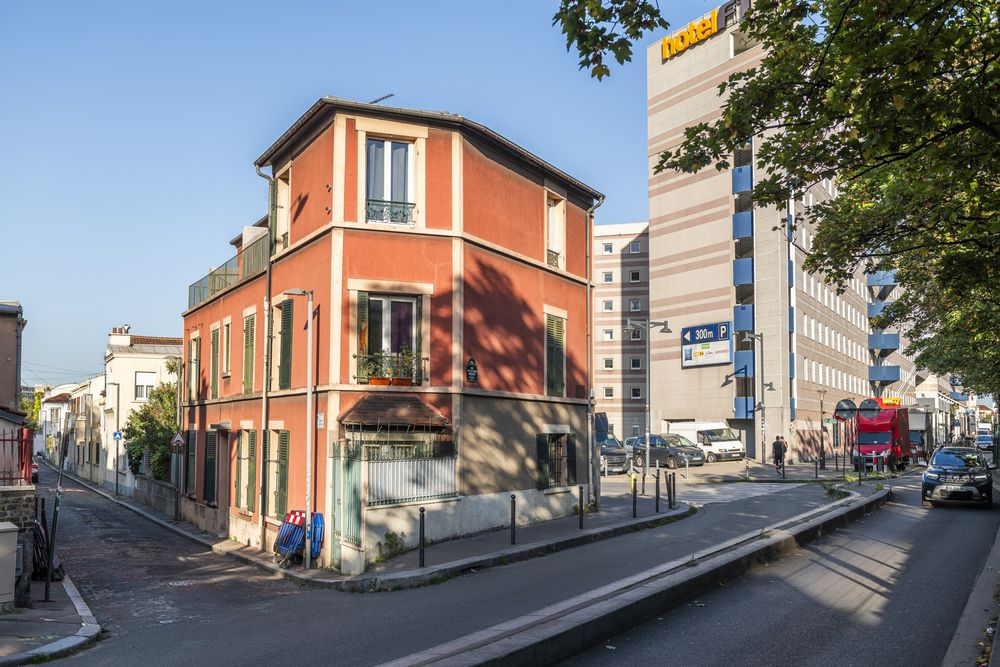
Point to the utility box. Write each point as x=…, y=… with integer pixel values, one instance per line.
x=8, y=562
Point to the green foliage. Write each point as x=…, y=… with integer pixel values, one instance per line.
x=150, y=428
x=31, y=407
x=896, y=101
x=394, y=545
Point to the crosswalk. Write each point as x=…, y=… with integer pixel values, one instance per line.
x=703, y=494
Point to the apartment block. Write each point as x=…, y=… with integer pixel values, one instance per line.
x=446, y=364
x=621, y=292
x=757, y=342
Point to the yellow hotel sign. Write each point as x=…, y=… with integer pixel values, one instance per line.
x=703, y=28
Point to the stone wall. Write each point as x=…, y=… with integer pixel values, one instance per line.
x=156, y=494
x=17, y=505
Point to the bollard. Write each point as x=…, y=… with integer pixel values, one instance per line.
x=421, y=537
x=783, y=468
x=633, y=498
x=687, y=467
x=657, y=474
x=671, y=499
x=673, y=489
x=816, y=469
x=581, y=506
x=748, y=468
x=513, y=516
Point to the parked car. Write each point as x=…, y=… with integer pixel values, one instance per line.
x=614, y=458
x=669, y=450
x=958, y=475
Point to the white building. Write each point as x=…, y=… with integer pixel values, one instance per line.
x=52, y=419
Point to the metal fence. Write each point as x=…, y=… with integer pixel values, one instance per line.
x=250, y=260
x=407, y=479
x=15, y=457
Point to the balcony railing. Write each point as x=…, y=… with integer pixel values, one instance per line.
x=391, y=212
x=249, y=261
x=390, y=368
x=552, y=258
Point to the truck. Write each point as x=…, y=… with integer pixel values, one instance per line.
x=716, y=439
x=884, y=438
x=921, y=435
x=984, y=436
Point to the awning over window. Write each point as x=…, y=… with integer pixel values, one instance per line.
x=384, y=408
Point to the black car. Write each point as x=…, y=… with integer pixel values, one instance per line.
x=670, y=450
x=614, y=458
x=958, y=475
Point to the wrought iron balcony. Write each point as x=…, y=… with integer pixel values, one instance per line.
x=399, y=368
x=552, y=258
x=390, y=212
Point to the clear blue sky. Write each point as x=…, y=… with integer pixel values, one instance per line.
x=131, y=129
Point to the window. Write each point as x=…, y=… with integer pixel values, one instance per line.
x=555, y=356
x=609, y=334
x=609, y=305
x=389, y=337
x=636, y=392
x=633, y=276
x=287, y=316
x=389, y=181
x=634, y=247
x=193, y=371
x=635, y=333
x=214, y=357
x=635, y=429
x=555, y=457
x=282, y=193
x=608, y=249
x=144, y=383
x=636, y=363
x=609, y=363
x=608, y=277
x=555, y=233
x=609, y=392
x=226, y=340
x=635, y=305
x=192, y=462
x=248, y=342
x=211, y=451
x=275, y=473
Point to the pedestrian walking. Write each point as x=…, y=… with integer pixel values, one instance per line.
x=778, y=448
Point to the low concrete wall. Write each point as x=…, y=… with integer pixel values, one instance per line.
x=156, y=494
x=210, y=519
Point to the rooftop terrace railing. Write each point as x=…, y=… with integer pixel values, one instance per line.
x=246, y=263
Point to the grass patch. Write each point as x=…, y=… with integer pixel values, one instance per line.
x=834, y=489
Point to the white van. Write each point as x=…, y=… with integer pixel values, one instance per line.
x=719, y=442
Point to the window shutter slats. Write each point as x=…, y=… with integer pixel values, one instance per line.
x=272, y=214
x=285, y=362
x=282, y=473
x=555, y=355
x=571, y=459
x=215, y=363
x=238, y=487
x=418, y=347
x=208, y=488
x=248, y=341
x=265, y=471
x=542, y=458
x=252, y=471
x=362, y=372
x=192, y=447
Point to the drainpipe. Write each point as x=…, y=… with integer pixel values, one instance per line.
x=267, y=364
x=590, y=355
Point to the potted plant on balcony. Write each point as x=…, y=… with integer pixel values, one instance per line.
x=402, y=367
x=377, y=369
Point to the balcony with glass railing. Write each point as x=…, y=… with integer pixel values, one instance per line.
x=248, y=262
x=389, y=212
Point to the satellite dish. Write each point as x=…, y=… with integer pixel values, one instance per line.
x=869, y=408
x=845, y=410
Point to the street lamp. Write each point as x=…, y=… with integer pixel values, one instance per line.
x=752, y=338
x=309, y=417
x=822, y=431
x=637, y=325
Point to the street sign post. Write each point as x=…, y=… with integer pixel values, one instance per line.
x=178, y=440
x=706, y=345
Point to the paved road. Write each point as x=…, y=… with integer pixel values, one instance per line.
x=887, y=590
x=166, y=598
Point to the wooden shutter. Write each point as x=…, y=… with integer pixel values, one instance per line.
x=571, y=459
x=238, y=486
x=362, y=337
x=285, y=360
x=251, y=471
x=265, y=469
x=208, y=488
x=555, y=355
x=192, y=461
x=197, y=368
x=542, y=459
x=272, y=214
x=418, y=348
x=215, y=363
x=248, y=340
x=282, y=473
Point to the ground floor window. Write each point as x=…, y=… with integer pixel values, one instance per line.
x=211, y=457
x=192, y=462
x=245, y=486
x=556, y=459
x=275, y=473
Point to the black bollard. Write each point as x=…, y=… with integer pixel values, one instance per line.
x=513, y=516
x=657, y=490
x=421, y=537
x=633, y=499
x=816, y=469
x=674, y=483
x=581, y=506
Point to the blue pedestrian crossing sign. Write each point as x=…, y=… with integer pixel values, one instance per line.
x=706, y=345
x=118, y=435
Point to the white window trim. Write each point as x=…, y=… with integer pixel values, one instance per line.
x=384, y=129
x=634, y=247
x=635, y=393
x=637, y=278
x=608, y=249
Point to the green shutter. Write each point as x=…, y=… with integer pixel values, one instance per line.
x=282, y=474
x=215, y=363
x=237, y=487
x=362, y=337
x=248, y=340
x=418, y=347
x=571, y=459
x=197, y=368
x=252, y=471
x=555, y=356
x=265, y=468
x=285, y=361
x=208, y=487
x=542, y=459
x=192, y=461
x=272, y=214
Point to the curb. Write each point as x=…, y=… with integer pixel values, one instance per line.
x=86, y=635
x=565, y=629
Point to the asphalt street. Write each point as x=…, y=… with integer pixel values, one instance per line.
x=887, y=590
x=161, y=596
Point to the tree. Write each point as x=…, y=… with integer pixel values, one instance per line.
x=897, y=102
x=31, y=407
x=150, y=428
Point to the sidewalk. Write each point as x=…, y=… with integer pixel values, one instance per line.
x=47, y=629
